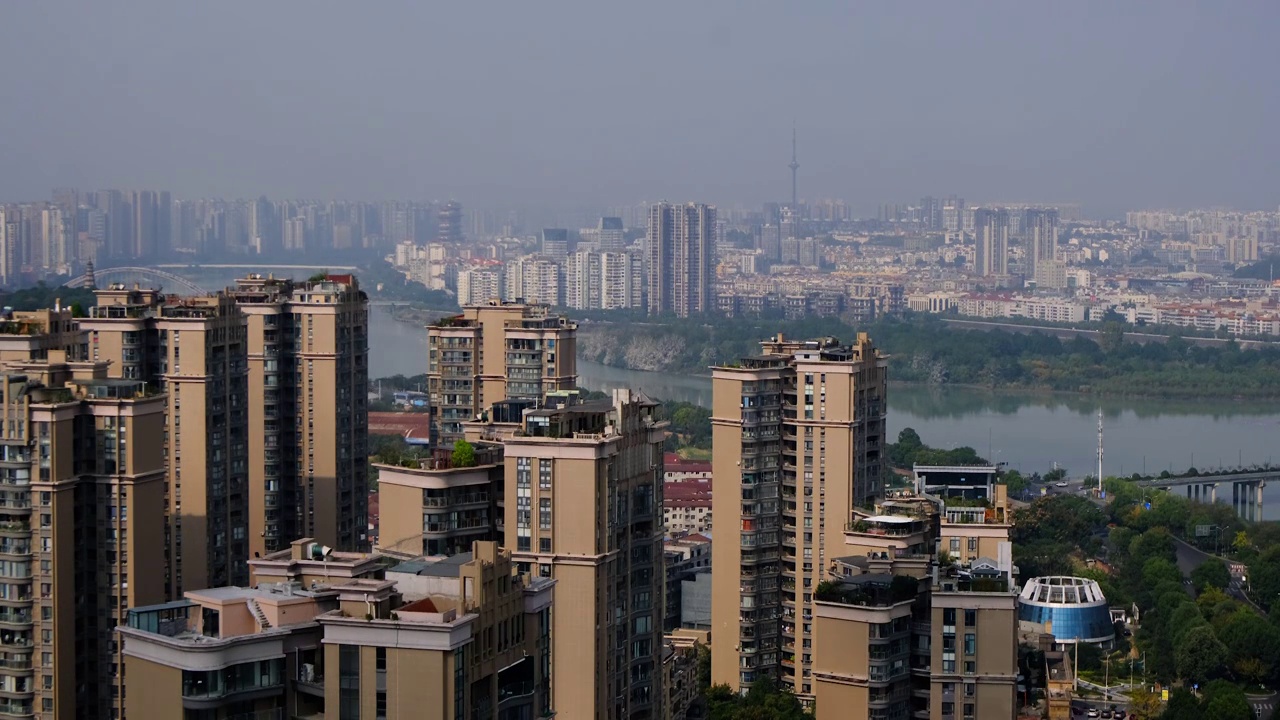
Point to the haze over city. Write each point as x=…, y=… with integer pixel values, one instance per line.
x=1112, y=106
x=403, y=359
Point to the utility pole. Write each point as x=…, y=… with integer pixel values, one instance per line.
x=1099, y=451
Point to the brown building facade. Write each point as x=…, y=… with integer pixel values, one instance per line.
x=902, y=632
x=440, y=639
x=82, y=497
x=798, y=436
x=495, y=352
x=308, y=359
x=583, y=505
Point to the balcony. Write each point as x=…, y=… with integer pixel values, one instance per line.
x=15, y=617
x=15, y=549
x=16, y=708
x=15, y=528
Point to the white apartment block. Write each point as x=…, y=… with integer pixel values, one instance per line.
x=477, y=286
x=535, y=281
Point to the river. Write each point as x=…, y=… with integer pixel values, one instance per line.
x=1030, y=431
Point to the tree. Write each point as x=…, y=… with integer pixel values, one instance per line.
x=464, y=454
x=704, y=667
x=1183, y=620
x=1156, y=569
x=1014, y=481
x=1249, y=637
x=1224, y=701
x=1144, y=704
x=1211, y=573
x=1200, y=655
x=1182, y=706
x=1156, y=542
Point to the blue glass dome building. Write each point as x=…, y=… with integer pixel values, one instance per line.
x=1073, y=609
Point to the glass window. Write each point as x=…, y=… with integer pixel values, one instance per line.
x=348, y=682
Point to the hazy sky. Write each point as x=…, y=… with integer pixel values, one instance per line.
x=1112, y=104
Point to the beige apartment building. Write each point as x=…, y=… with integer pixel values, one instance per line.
x=308, y=359
x=82, y=500
x=798, y=436
x=583, y=506
x=490, y=353
x=438, y=509
x=349, y=635
x=904, y=632
x=247, y=477
x=30, y=335
x=192, y=349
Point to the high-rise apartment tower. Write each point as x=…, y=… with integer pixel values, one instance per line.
x=583, y=505
x=682, y=258
x=798, y=435
x=991, y=233
x=490, y=353
x=308, y=358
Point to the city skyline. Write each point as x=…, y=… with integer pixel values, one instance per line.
x=1136, y=122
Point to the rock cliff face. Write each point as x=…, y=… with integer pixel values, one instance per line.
x=632, y=349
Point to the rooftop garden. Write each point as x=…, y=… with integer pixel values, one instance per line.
x=901, y=588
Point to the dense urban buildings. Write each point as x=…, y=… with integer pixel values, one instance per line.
x=681, y=253
x=349, y=635
x=798, y=443
x=495, y=352
x=293, y=462
x=194, y=350
x=903, y=630
x=130, y=428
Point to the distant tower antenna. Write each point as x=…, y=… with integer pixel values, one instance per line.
x=795, y=165
x=1099, y=451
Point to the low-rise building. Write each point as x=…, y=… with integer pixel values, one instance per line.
x=434, y=638
x=686, y=505
x=684, y=558
x=899, y=631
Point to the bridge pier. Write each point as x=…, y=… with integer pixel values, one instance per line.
x=1246, y=499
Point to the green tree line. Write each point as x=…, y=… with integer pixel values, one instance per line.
x=922, y=348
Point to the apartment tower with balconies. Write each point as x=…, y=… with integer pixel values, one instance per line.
x=495, y=352
x=798, y=436
x=583, y=504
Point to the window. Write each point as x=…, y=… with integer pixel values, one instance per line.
x=544, y=474
x=544, y=513
x=970, y=618
x=973, y=544
x=970, y=689
x=955, y=544
x=348, y=682
x=544, y=545
x=970, y=667
x=970, y=643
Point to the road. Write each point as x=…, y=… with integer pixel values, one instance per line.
x=1068, y=333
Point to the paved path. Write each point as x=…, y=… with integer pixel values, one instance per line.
x=1263, y=707
x=1191, y=557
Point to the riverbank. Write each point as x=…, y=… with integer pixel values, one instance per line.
x=924, y=351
